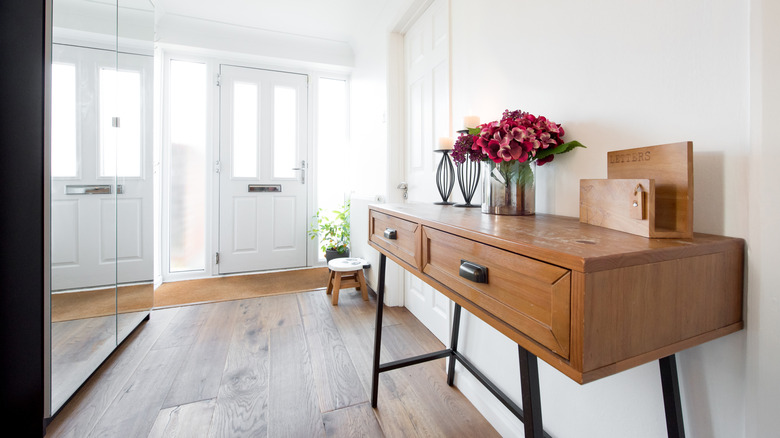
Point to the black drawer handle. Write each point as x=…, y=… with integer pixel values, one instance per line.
x=391, y=234
x=474, y=272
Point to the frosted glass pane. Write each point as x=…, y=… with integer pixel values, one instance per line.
x=245, y=145
x=129, y=155
x=187, y=188
x=107, y=133
x=285, y=132
x=64, y=154
x=120, y=96
x=331, y=142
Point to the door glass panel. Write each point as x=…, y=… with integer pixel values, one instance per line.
x=129, y=149
x=120, y=149
x=285, y=132
x=187, y=187
x=107, y=104
x=245, y=135
x=331, y=142
x=64, y=156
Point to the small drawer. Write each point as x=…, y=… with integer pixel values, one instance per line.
x=398, y=236
x=532, y=297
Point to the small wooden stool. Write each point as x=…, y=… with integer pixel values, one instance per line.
x=346, y=273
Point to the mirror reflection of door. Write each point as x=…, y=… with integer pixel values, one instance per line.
x=101, y=207
x=83, y=242
x=263, y=181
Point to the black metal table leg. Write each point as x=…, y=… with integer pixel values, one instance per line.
x=453, y=344
x=532, y=400
x=672, y=405
x=380, y=303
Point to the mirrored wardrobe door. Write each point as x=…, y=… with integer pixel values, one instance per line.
x=134, y=164
x=83, y=199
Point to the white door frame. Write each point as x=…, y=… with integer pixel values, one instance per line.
x=213, y=59
x=397, y=116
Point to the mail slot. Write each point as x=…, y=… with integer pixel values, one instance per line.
x=88, y=190
x=265, y=188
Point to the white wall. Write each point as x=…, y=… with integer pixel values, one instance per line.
x=763, y=298
x=375, y=149
x=620, y=74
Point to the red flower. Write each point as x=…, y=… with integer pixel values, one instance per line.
x=518, y=136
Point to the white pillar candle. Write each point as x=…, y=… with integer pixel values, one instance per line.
x=470, y=122
x=445, y=143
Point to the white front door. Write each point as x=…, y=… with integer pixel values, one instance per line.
x=426, y=54
x=101, y=174
x=262, y=167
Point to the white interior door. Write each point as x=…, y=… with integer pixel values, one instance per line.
x=88, y=153
x=262, y=161
x=426, y=53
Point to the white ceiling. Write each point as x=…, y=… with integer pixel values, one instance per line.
x=339, y=20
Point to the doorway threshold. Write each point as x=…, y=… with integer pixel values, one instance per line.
x=239, y=287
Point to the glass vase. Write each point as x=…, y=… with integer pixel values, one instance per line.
x=508, y=188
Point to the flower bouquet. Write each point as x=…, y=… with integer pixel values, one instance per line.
x=511, y=147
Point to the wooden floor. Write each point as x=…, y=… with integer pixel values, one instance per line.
x=79, y=346
x=278, y=366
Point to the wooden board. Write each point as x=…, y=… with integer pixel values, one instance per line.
x=618, y=204
x=669, y=202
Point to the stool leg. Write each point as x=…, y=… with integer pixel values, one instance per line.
x=363, y=287
x=330, y=283
x=336, y=288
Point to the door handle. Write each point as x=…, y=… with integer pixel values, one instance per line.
x=473, y=272
x=405, y=187
x=303, y=171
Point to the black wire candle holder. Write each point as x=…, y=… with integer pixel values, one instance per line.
x=468, y=180
x=445, y=177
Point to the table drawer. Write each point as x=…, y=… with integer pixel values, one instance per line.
x=531, y=296
x=398, y=236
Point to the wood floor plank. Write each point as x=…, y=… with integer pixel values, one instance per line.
x=431, y=400
x=86, y=407
x=279, y=311
x=78, y=348
x=292, y=399
x=356, y=325
x=354, y=301
x=184, y=328
x=135, y=410
x=201, y=370
x=242, y=403
x=353, y=422
x=335, y=377
x=191, y=420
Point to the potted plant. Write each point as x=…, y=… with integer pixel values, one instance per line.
x=333, y=233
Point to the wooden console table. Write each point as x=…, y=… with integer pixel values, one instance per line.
x=587, y=300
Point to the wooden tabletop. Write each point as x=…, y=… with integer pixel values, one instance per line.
x=560, y=240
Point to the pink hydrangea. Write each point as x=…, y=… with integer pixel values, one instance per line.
x=518, y=136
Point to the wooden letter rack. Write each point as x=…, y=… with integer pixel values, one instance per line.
x=649, y=192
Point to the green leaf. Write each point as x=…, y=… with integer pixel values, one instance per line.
x=474, y=131
x=560, y=149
